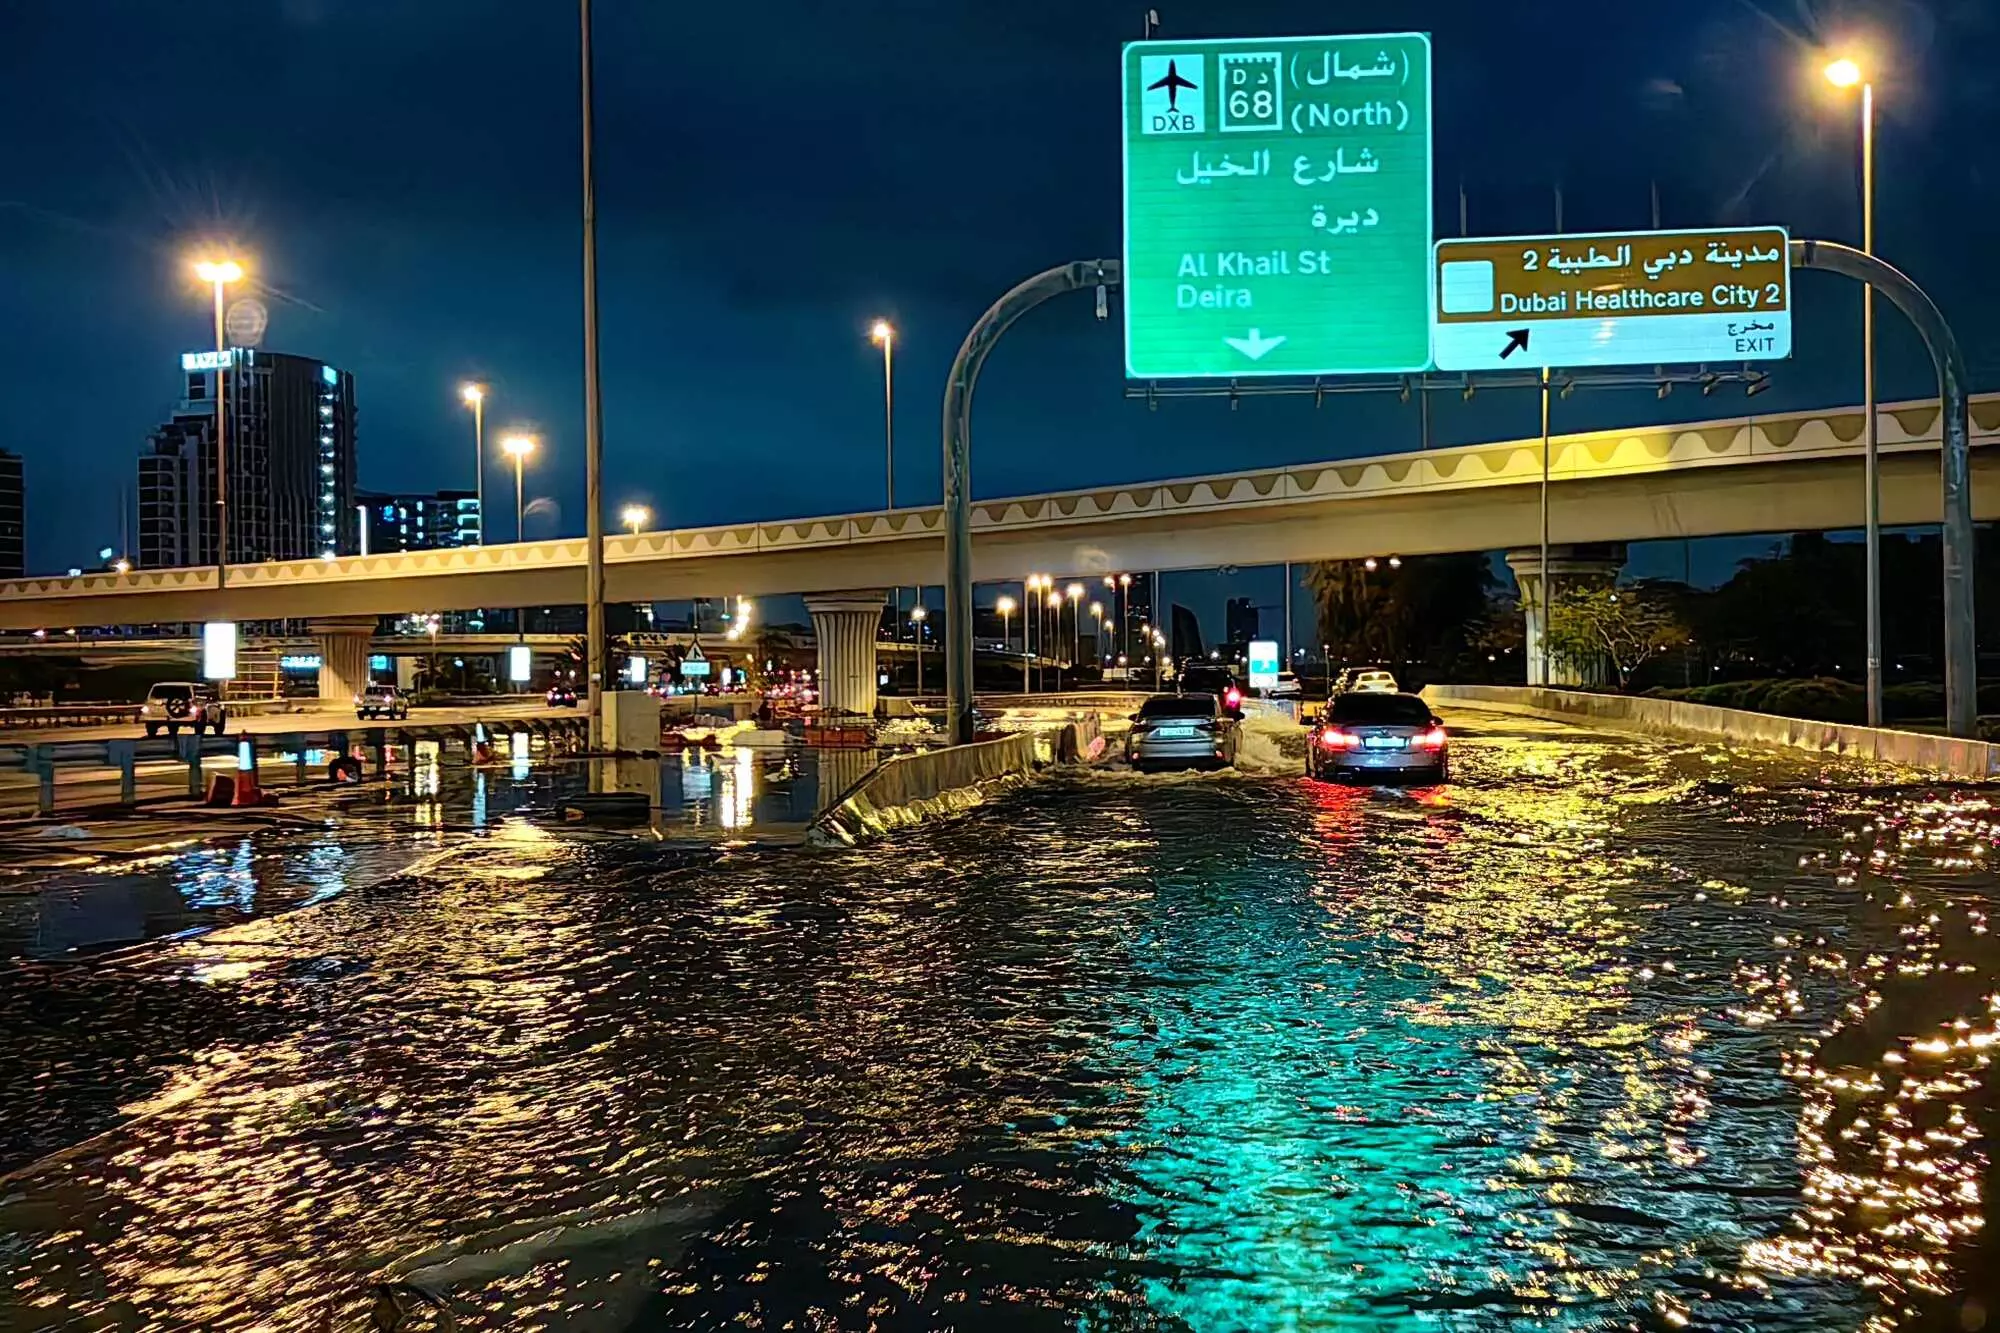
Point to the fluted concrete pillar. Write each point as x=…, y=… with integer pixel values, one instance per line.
x=845, y=624
x=343, y=654
x=1569, y=566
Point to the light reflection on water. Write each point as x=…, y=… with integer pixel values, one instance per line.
x=339, y=838
x=1602, y=1036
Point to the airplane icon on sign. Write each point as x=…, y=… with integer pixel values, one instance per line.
x=1173, y=83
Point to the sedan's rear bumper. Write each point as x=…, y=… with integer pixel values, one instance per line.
x=1386, y=763
x=1201, y=753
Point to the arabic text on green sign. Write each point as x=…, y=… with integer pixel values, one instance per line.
x=1277, y=206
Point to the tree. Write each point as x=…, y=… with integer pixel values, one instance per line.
x=1426, y=609
x=1627, y=627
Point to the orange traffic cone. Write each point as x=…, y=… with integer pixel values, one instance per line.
x=246, y=792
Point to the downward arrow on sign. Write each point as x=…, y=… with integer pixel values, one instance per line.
x=1255, y=345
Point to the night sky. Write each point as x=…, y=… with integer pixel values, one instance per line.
x=403, y=179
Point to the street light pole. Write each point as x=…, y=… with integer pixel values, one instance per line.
x=593, y=418
x=475, y=397
x=1543, y=646
x=917, y=616
x=885, y=333
x=1846, y=73
x=220, y=275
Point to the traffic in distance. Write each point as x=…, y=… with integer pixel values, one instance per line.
x=1370, y=730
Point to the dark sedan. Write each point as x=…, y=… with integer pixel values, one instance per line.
x=1365, y=736
x=1181, y=731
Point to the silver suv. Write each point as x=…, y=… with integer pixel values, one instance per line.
x=173, y=704
x=382, y=701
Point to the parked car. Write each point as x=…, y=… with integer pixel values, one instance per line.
x=382, y=701
x=1220, y=681
x=1365, y=680
x=173, y=704
x=561, y=696
x=1182, y=731
x=1367, y=733
x=1286, y=688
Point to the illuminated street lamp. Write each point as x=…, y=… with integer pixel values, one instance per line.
x=918, y=614
x=1005, y=606
x=1075, y=594
x=219, y=274
x=518, y=447
x=884, y=333
x=635, y=517
x=1032, y=591
x=1125, y=614
x=1847, y=73
x=1097, y=613
x=1052, y=598
x=474, y=396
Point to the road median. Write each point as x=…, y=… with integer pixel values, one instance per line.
x=1948, y=756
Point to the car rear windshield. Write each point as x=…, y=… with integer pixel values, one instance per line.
x=1182, y=705
x=1382, y=710
x=1209, y=680
x=171, y=692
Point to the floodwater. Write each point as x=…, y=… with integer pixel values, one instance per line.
x=149, y=877
x=1611, y=1033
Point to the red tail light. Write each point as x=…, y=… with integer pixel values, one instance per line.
x=1335, y=739
x=1432, y=739
x=1233, y=697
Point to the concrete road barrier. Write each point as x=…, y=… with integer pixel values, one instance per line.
x=908, y=788
x=1976, y=760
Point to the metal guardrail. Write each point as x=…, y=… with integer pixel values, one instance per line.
x=54, y=716
x=41, y=761
x=68, y=715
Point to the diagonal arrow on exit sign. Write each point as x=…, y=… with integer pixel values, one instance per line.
x=1256, y=344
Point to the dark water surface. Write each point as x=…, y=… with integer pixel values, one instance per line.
x=1609, y=1034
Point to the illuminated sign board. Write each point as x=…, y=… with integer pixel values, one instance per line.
x=1277, y=206
x=1619, y=299
x=1263, y=664
x=218, y=650
x=299, y=662
x=635, y=669
x=206, y=360
x=520, y=663
x=694, y=666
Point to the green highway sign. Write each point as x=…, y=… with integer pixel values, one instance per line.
x=1277, y=206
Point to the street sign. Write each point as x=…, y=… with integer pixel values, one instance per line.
x=218, y=650
x=520, y=663
x=1620, y=299
x=1277, y=206
x=1263, y=664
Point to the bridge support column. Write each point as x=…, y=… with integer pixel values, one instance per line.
x=343, y=654
x=846, y=624
x=1570, y=567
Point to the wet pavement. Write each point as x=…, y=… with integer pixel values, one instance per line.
x=1609, y=1033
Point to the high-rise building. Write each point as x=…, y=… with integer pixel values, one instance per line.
x=290, y=448
x=1239, y=622
x=13, y=517
x=176, y=496
x=425, y=522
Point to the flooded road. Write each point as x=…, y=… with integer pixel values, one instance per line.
x=1610, y=1033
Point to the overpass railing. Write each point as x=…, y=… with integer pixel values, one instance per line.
x=41, y=762
x=67, y=715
